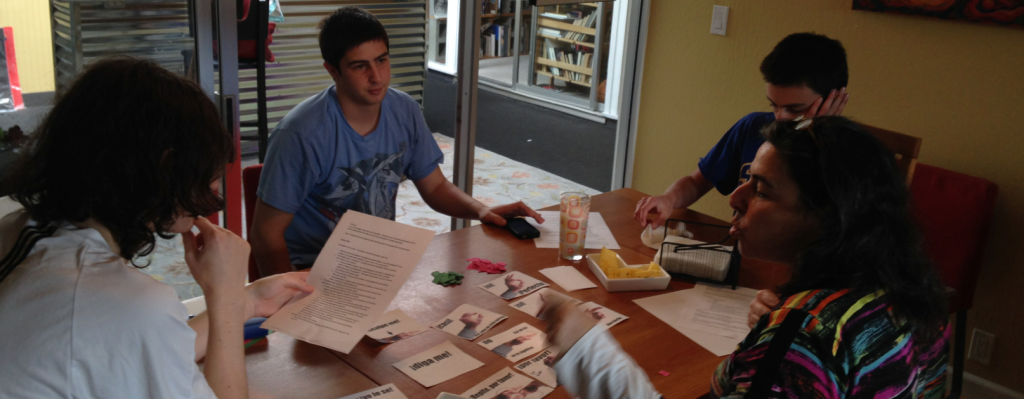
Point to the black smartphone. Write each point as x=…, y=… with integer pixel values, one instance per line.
x=522, y=229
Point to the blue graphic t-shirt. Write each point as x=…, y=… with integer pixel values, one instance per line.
x=727, y=165
x=317, y=167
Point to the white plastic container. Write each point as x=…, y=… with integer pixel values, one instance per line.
x=626, y=284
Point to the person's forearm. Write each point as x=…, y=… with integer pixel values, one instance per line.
x=201, y=325
x=271, y=254
x=449, y=200
x=225, y=354
x=688, y=189
x=597, y=368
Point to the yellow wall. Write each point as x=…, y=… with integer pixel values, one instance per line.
x=32, y=45
x=959, y=86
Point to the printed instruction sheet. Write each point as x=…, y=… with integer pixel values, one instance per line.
x=713, y=317
x=360, y=270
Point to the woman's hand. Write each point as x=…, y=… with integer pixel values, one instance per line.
x=217, y=258
x=763, y=303
x=267, y=295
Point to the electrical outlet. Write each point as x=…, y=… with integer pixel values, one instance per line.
x=981, y=347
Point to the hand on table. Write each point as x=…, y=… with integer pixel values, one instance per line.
x=471, y=320
x=662, y=204
x=267, y=295
x=763, y=303
x=497, y=215
x=832, y=105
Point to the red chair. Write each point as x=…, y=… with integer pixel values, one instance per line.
x=250, y=182
x=954, y=211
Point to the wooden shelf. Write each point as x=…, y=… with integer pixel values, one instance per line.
x=565, y=65
x=591, y=45
x=564, y=79
x=556, y=24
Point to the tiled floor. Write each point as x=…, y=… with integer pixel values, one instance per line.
x=497, y=180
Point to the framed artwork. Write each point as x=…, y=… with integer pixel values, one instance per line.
x=997, y=12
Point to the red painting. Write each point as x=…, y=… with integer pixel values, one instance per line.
x=999, y=12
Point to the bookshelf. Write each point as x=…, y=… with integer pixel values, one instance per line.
x=498, y=20
x=568, y=47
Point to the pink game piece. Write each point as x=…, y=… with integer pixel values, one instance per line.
x=664, y=373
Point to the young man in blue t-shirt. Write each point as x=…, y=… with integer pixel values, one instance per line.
x=806, y=74
x=347, y=148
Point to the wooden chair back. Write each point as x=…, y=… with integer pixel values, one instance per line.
x=906, y=148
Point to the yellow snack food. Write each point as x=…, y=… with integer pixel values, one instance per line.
x=609, y=264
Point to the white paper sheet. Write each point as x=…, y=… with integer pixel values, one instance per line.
x=539, y=367
x=598, y=233
x=710, y=317
x=360, y=270
x=468, y=321
x=438, y=364
x=389, y=391
x=509, y=383
x=534, y=305
x=394, y=326
x=513, y=285
x=517, y=342
x=602, y=314
x=568, y=278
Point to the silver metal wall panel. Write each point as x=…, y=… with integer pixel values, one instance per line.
x=85, y=31
x=297, y=71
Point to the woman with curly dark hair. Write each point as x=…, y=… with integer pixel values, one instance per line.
x=129, y=152
x=863, y=314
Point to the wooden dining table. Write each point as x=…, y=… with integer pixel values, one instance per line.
x=654, y=345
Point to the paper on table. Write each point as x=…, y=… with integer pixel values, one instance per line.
x=468, y=321
x=568, y=278
x=680, y=310
x=394, y=326
x=510, y=384
x=438, y=364
x=602, y=314
x=360, y=270
x=598, y=233
x=533, y=305
x=539, y=367
x=517, y=342
x=512, y=285
x=389, y=391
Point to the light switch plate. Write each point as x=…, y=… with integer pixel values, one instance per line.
x=719, y=20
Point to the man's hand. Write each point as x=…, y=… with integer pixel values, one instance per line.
x=832, y=105
x=662, y=204
x=513, y=283
x=471, y=320
x=520, y=340
x=497, y=215
x=763, y=303
x=267, y=295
